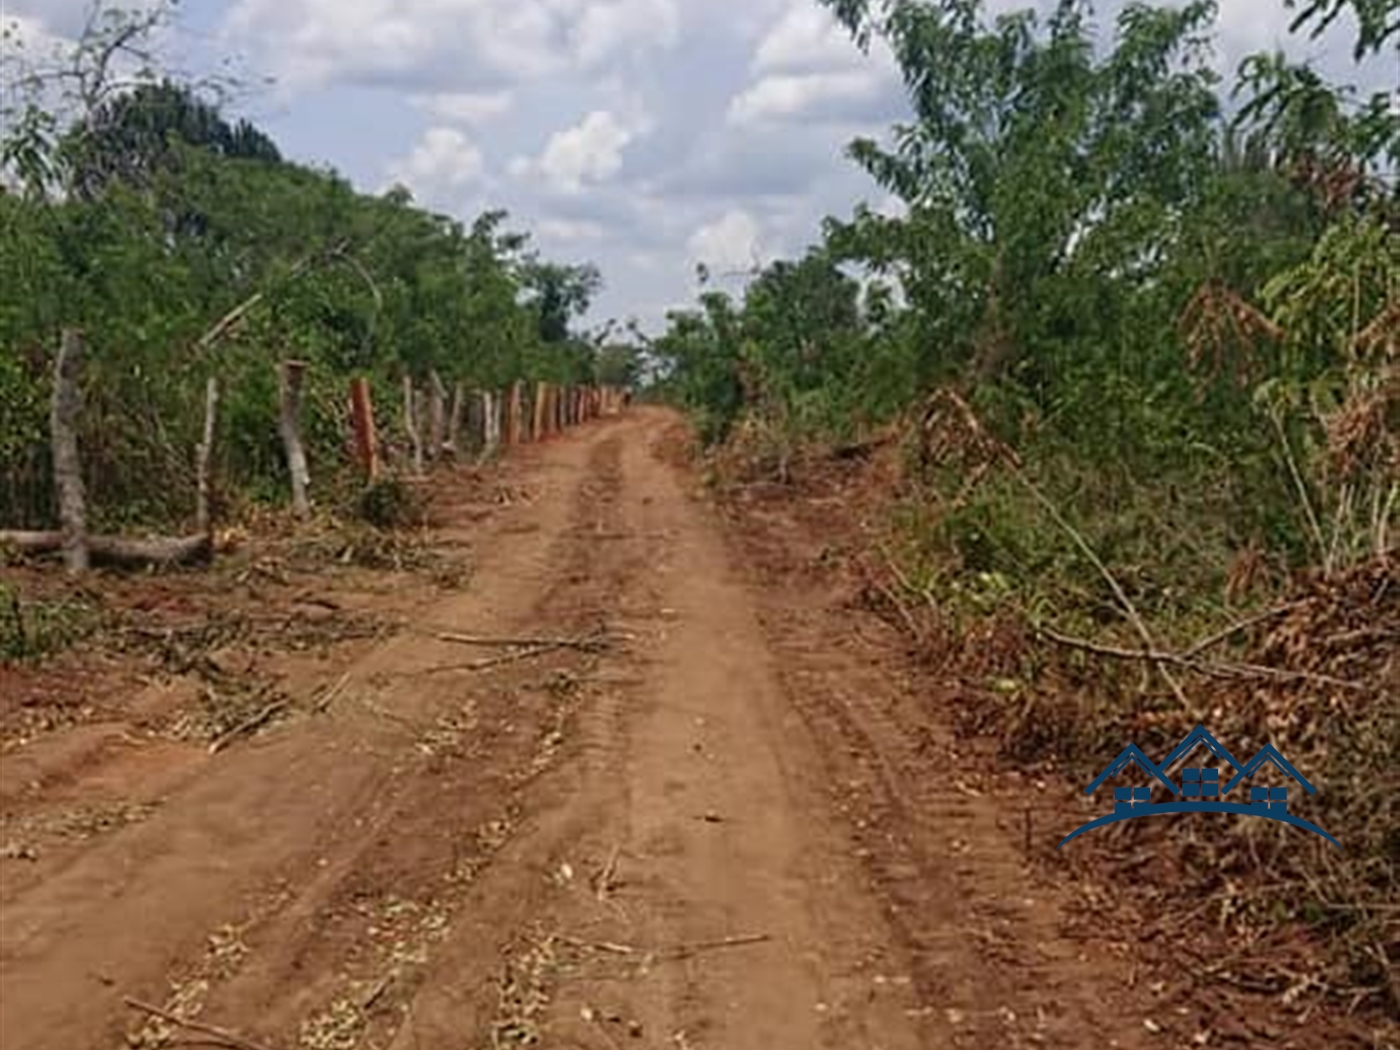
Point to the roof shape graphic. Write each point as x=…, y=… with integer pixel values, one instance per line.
x=1197, y=736
x=1268, y=754
x=1131, y=753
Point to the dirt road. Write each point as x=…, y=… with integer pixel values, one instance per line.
x=724, y=822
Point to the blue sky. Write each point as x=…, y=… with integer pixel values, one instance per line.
x=643, y=135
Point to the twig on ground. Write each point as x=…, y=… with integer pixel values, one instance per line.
x=247, y=726
x=331, y=693
x=684, y=951
x=377, y=991
x=223, y=1035
x=679, y=951
x=602, y=884
x=559, y=643
x=595, y=642
x=599, y=946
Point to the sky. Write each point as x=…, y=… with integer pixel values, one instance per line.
x=641, y=135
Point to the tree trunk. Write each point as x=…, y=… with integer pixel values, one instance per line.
x=454, y=420
x=289, y=423
x=517, y=406
x=410, y=424
x=492, y=409
x=116, y=550
x=202, y=520
x=362, y=420
x=67, y=465
x=437, y=416
x=539, y=417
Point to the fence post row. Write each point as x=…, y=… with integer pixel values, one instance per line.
x=439, y=422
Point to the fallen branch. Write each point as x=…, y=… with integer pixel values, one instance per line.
x=1125, y=603
x=229, y=320
x=1192, y=663
x=223, y=1035
x=247, y=726
x=1226, y=633
x=116, y=550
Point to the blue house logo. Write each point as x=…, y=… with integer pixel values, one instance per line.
x=1201, y=790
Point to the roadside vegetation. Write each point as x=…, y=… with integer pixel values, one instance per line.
x=184, y=245
x=1135, y=332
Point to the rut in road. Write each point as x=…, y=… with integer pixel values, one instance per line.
x=725, y=830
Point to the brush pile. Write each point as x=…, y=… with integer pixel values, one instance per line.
x=1333, y=709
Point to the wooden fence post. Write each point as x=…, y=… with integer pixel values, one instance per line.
x=516, y=411
x=437, y=415
x=539, y=416
x=410, y=423
x=67, y=464
x=203, y=522
x=454, y=420
x=362, y=421
x=289, y=423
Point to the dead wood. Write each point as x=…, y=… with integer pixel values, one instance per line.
x=684, y=951
x=586, y=644
x=116, y=550
x=203, y=523
x=410, y=424
x=1190, y=662
x=675, y=952
x=223, y=1035
x=453, y=442
x=1239, y=627
x=529, y=651
x=229, y=321
x=330, y=694
x=248, y=725
x=437, y=415
x=67, y=464
x=289, y=424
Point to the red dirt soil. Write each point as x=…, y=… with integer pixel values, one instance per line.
x=735, y=825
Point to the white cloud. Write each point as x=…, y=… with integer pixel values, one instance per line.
x=465, y=43
x=590, y=151
x=891, y=207
x=570, y=230
x=443, y=161
x=807, y=38
x=731, y=242
x=807, y=65
x=466, y=107
x=63, y=18
x=786, y=95
x=605, y=29
x=30, y=41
